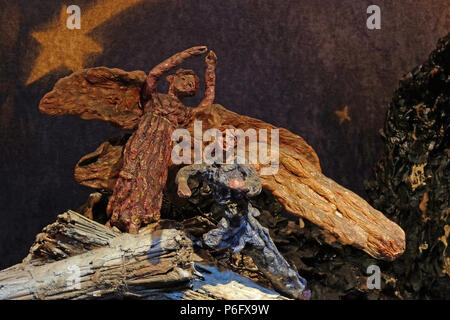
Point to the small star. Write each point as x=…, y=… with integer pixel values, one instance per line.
x=62, y=46
x=343, y=115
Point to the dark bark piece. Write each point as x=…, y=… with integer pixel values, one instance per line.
x=246, y=233
x=98, y=93
x=411, y=182
x=138, y=191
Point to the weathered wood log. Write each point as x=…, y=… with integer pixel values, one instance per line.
x=71, y=235
x=77, y=258
x=123, y=266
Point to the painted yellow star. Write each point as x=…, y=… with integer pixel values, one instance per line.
x=343, y=115
x=62, y=46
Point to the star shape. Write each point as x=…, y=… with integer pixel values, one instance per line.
x=70, y=48
x=343, y=115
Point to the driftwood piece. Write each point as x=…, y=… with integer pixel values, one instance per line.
x=112, y=264
x=77, y=258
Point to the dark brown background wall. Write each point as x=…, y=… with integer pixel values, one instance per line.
x=291, y=63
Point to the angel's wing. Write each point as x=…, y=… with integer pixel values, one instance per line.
x=304, y=191
x=98, y=93
x=100, y=169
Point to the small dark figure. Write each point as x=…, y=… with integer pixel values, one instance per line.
x=231, y=185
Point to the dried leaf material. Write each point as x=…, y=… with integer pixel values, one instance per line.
x=411, y=183
x=98, y=93
x=138, y=192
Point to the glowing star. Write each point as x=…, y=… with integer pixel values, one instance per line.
x=343, y=115
x=70, y=48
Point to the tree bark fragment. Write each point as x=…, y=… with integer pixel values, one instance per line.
x=155, y=264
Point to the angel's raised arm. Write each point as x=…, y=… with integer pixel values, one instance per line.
x=210, y=80
x=168, y=64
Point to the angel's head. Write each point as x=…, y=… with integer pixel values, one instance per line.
x=184, y=83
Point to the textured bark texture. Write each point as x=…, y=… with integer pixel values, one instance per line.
x=107, y=264
x=411, y=182
x=70, y=235
x=99, y=93
x=138, y=192
x=156, y=264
